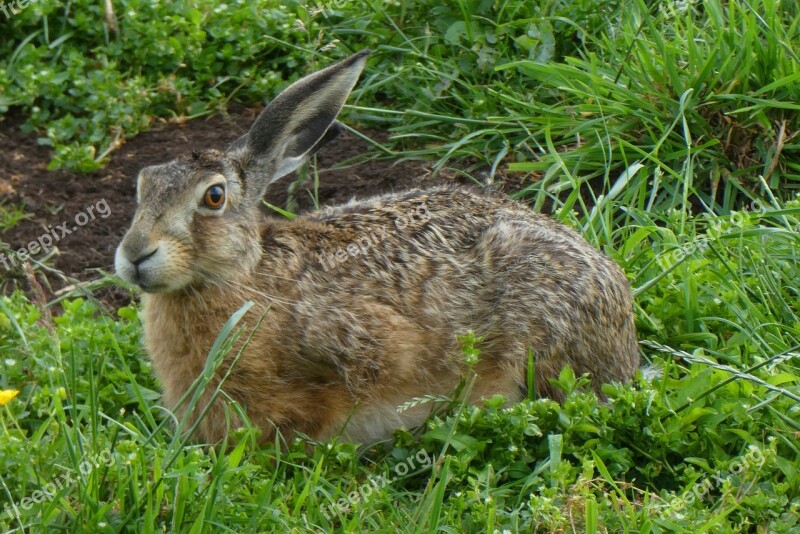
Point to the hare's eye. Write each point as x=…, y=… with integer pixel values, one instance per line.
x=214, y=197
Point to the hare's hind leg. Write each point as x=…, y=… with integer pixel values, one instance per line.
x=500, y=376
x=556, y=295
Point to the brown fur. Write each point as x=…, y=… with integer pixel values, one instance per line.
x=355, y=337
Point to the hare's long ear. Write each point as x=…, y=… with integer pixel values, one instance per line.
x=240, y=144
x=295, y=124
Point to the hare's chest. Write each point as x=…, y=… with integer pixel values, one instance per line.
x=177, y=347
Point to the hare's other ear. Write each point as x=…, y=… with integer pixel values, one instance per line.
x=296, y=123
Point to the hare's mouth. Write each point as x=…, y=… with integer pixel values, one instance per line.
x=151, y=287
x=147, y=270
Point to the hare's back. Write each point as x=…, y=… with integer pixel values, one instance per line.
x=448, y=257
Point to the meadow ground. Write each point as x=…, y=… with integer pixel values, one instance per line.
x=665, y=132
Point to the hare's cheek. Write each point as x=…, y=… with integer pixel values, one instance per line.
x=174, y=265
x=225, y=247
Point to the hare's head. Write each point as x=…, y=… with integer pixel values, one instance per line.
x=197, y=217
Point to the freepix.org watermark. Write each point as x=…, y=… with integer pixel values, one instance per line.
x=45, y=241
x=750, y=462
x=420, y=461
x=67, y=479
x=330, y=259
x=9, y=9
x=327, y=9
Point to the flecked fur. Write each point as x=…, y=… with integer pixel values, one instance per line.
x=360, y=305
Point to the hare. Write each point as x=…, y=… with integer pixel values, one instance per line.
x=358, y=307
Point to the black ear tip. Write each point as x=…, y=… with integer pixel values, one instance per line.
x=335, y=129
x=358, y=55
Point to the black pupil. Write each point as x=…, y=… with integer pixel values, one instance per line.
x=215, y=195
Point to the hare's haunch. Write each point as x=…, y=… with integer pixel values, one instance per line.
x=358, y=307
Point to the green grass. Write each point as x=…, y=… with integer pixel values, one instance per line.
x=681, y=117
x=11, y=215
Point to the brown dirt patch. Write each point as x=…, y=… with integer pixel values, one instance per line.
x=55, y=197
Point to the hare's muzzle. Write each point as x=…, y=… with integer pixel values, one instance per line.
x=141, y=262
x=134, y=265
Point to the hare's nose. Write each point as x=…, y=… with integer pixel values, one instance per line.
x=138, y=261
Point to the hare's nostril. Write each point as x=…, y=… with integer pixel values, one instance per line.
x=143, y=257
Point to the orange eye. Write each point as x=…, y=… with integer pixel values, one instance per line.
x=214, y=197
